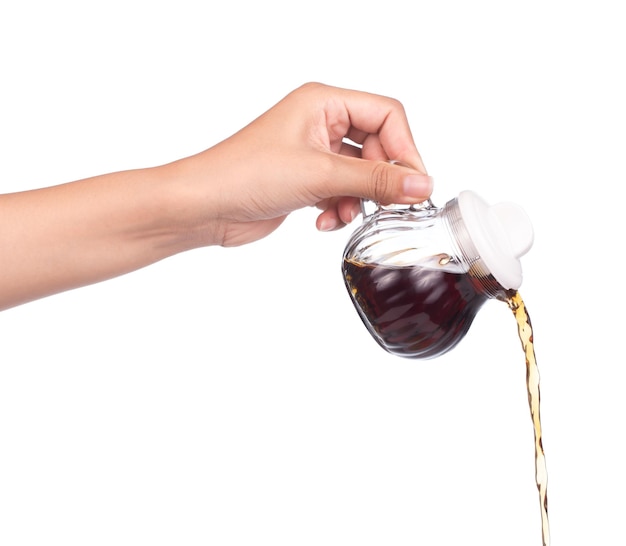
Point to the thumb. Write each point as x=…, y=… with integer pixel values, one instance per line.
x=381, y=181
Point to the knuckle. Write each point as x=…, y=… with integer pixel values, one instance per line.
x=397, y=105
x=381, y=183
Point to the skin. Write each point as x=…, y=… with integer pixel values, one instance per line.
x=294, y=155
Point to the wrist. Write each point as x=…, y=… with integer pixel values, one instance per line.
x=186, y=209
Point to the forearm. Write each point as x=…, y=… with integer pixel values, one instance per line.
x=295, y=155
x=62, y=237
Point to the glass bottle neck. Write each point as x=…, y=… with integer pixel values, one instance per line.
x=452, y=219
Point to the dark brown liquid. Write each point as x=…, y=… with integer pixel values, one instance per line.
x=525, y=331
x=413, y=311
x=422, y=313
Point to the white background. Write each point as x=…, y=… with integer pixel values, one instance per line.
x=232, y=396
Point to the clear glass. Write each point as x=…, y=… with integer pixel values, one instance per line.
x=410, y=282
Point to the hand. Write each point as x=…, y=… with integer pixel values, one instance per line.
x=296, y=155
x=293, y=156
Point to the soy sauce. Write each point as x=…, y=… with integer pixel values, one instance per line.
x=525, y=331
x=424, y=312
x=411, y=311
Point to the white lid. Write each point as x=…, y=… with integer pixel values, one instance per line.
x=502, y=234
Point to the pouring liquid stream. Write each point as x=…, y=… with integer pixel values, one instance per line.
x=525, y=331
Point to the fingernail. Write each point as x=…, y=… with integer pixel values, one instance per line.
x=417, y=185
x=326, y=224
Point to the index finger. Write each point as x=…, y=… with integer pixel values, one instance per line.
x=380, y=124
